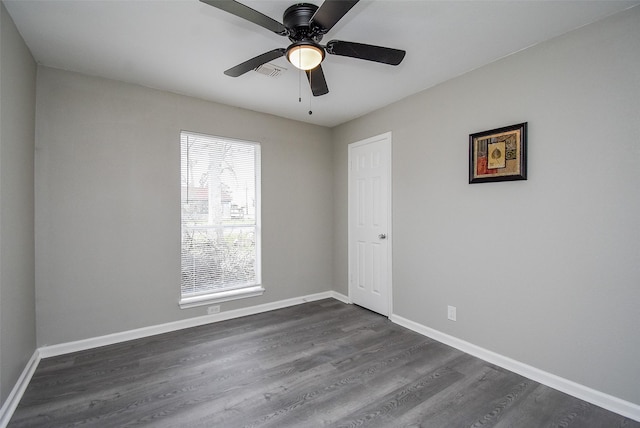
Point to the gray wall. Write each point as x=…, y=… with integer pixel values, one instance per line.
x=545, y=271
x=17, y=128
x=108, y=194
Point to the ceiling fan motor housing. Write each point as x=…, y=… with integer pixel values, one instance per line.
x=297, y=20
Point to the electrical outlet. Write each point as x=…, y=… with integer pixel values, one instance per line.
x=213, y=309
x=451, y=313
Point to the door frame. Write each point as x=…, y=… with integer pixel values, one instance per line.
x=387, y=137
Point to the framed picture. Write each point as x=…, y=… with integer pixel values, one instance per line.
x=499, y=154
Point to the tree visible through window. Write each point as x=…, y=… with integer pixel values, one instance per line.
x=220, y=181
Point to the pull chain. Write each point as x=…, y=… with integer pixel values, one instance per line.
x=310, y=95
x=299, y=85
x=300, y=71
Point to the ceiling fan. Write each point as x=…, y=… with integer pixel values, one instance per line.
x=305, y=24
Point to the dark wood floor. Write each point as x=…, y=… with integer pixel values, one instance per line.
x=318, y=364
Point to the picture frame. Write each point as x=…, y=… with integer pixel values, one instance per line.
x=498, y=154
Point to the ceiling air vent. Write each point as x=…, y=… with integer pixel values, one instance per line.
x=270, y=70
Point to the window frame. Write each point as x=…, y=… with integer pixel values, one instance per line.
x=231, y=292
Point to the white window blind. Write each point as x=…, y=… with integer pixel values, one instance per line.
x=220, y=255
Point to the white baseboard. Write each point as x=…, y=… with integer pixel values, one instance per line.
x=16, y=393
x=109, y=339
x=606, y=401
x=339, y=296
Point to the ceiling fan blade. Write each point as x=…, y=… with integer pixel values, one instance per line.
x=317, y=81
x=254, y=63
x=367, y=52
x=251, y=15
x=330, y=13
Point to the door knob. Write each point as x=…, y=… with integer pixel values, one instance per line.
x=382, y=236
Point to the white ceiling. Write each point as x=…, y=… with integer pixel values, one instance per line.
x=184, y=46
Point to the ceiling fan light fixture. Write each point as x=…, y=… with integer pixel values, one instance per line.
x=305, y=55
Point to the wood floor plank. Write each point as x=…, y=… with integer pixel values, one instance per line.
x=323, y=363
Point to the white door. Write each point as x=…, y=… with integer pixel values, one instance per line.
x=370, y=223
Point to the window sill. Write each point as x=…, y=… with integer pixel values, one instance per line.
x=221, y=296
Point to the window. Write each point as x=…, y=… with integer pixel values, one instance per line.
x=220, y=254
